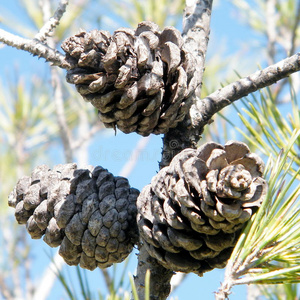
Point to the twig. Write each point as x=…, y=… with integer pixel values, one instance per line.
x=35, y=47
x=224, y=290
x=202, y=111
x=53, y=21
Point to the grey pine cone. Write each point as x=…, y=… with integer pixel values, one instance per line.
x=191, y=215
x=139, y=80
x=89, y=213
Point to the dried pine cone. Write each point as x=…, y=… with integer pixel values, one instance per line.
x=191, y=214
x=139, y=80
x=90, y=214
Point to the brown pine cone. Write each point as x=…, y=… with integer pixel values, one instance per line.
x=192, y=213
x=89, y=213
x=139, y=80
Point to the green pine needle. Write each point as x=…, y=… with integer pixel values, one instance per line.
x=268, y=251
x=267, y=129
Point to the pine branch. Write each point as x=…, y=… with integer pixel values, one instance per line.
x=53, y=21
x=159, y=279
x=196, y=29
x=35, y=47
x=202, y=111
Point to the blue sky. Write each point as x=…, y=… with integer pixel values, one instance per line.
x=112, y=152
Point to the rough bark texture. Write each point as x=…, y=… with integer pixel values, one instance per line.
x=159, y=279
x=53, y=21
x=196, y=30
x=202, y=111
x=35, y=47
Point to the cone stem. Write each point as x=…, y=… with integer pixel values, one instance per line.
x=159, y=279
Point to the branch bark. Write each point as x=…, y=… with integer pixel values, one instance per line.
x=203, y=110
x=53, y=21
x=159, y=277
x=35, y=47
x=196, y=29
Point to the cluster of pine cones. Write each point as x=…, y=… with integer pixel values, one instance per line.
x=189, y=218
x=139, y=80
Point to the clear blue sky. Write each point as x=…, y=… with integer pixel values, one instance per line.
x=113, y=152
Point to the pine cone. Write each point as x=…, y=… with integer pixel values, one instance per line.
x=138, y=80
x=192, y=213
x=89, y=213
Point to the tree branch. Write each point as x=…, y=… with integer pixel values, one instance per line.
x=35, y=47
x=196, y=29
x=203, y=110
x=159, y=279
x=53, y=21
